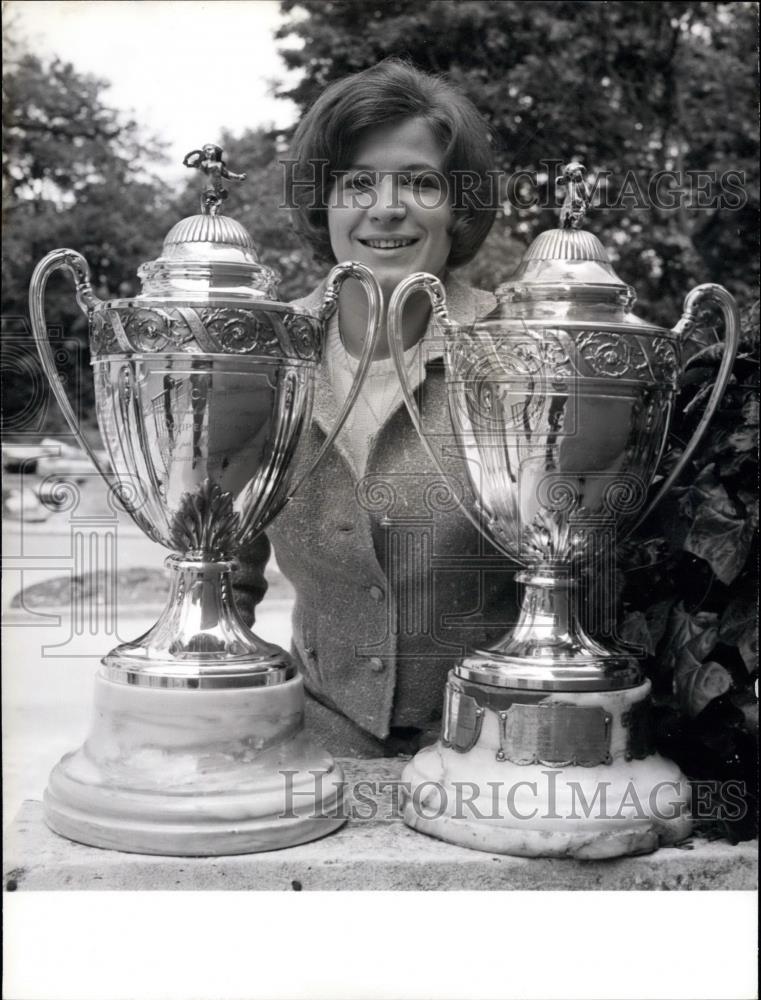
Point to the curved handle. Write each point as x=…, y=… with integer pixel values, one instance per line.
x=420, y=282
x=336, y=278
x=728, y=306
x=76, y=265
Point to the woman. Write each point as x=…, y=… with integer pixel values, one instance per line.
x=392, y=582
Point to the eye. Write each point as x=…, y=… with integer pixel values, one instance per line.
x=428, y=180
x=361, y=180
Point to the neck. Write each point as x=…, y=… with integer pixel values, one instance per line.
x=352, y=320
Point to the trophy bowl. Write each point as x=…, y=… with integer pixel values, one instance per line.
x=203, y=385
x=560, y=403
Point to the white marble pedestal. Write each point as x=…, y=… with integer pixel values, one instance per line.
x=479, y=796
x=195, y=773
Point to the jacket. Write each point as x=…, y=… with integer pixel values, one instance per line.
x=393, y=584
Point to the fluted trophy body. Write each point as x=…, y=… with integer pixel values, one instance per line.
x=518, y=398
x=203, y=386
x=560, y=404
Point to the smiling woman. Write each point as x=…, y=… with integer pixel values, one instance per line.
x=391, y=210
x=392, y=582
x=392, y=93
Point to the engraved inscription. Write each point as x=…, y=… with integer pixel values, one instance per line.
x=555, y=734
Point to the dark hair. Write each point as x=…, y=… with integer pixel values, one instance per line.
x=392, y=91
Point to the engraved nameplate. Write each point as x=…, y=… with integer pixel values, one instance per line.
x=555, y=734
x=462, y=719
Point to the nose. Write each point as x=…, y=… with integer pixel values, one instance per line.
x=387, y=204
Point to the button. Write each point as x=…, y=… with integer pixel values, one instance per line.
x=311, y=652
x=377, y=594
x=377, y=665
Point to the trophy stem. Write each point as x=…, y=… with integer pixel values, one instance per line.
x=548, y=649
x=200, y=640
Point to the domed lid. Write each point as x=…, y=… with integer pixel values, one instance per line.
x=208, y=256
x=565, y=267
x=227, y=235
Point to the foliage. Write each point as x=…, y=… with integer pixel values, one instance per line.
x=74, y=174
x=77, y=174
x=689, y=581
x=631, y=89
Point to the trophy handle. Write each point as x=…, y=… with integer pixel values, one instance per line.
x=336, y=278
x=76, y=265
x=420, y=282
x=728, y=306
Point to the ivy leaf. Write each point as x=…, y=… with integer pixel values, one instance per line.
x=635, y=632
x=738, y=627
x=706, y=489
x=732, y=463
x=747, y=703
x=700, y=686
x=750, y=410
x=750, y=502
x=696, y=682
x=744, y=439
x=723, y=541
x=683, y=628
x=657, y=616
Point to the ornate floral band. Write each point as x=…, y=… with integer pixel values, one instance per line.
x=556, y=354
x=264, y=330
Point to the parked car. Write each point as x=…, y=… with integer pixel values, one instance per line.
x=25, y=457
x=66, y=460
x=23, y=504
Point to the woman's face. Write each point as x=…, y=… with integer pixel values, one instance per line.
x=389, y=210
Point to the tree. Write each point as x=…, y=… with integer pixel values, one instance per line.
x=631, y=89
x=74, y=174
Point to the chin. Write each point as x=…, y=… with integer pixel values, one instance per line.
x=389, y=278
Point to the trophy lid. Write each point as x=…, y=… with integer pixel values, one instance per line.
x=208, y=256
x=565, y=267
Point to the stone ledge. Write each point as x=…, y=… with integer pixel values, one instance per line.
x=378, y=853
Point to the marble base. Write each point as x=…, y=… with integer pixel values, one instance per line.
x=478, y=799
x=196, y=773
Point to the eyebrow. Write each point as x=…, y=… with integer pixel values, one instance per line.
x=397, y=170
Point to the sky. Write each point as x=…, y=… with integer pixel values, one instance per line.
x=184, y=69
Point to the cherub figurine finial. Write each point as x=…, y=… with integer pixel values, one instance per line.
x=576, y=200
x=209, y=160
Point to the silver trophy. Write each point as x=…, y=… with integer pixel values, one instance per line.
x=560, y=404
x=203, y=386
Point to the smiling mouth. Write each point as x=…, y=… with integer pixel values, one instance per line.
x=389, y=244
